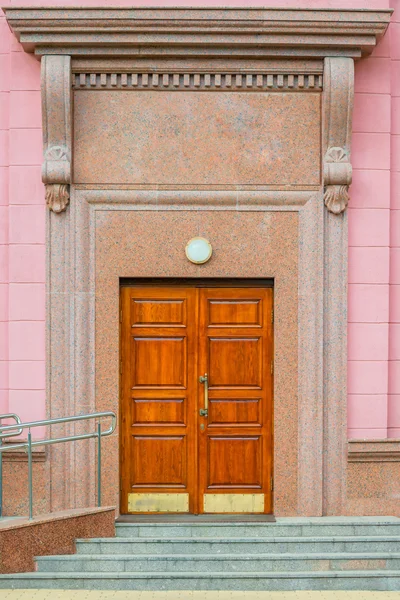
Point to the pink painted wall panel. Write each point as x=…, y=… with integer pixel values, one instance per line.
x=4, y=72
x=4, y=148
x=367, y=377
x=4, y=197
x=395, y=190
x=3, y=186
x=371, y=150
x=395, y=41
x=3, y=340
x=370, y=189
x=374, y=267
x=395, y=115
x=27, y=264
x=368, y=265
x=27, y=302
x=395, y=266
x=25, y=110
x=3, y=224
x=394, y=341
x=4, y=110
x=3, y=264
x=368, y=341
x=25, y=147
x=4, y=302
x=394, y=327
x=368, y=303
x=26, y=340
x=369, y=227
x=364, y=410
x=25, y=72
x=372, y=75
x=394, y=416
x=34, y=375
x=27, y=224
x=394, y=303
x=394, y=378
x=25, y=185
x=371, y=113
x=29, y=405
x=395, y=228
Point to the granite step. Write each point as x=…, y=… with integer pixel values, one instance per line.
x=227, y=563
x=278, y=581
x=284, y=527
x=244, y=546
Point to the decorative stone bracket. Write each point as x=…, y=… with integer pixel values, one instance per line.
x=337, y=178
x=337, y=117
x=57, y=116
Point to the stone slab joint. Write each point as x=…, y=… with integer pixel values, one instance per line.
x=57, y=126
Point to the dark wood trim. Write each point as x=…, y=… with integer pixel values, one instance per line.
x=196, y=282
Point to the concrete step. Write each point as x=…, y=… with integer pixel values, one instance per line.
x=323, y=580
x=227, y=563
x=286, y=527
x=251, y=546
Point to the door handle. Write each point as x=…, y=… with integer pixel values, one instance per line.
x=204, y=411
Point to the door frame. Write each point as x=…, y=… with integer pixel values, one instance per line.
x=196, y=283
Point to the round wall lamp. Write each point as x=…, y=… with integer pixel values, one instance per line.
x=198, y=250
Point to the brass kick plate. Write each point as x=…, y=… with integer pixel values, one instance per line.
x=177, y=503
x=234, y=503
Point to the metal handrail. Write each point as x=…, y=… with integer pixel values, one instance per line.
x=7, y=431
x=11, y=434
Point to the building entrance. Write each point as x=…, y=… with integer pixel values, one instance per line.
x=196, y=399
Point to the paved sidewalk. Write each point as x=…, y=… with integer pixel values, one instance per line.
x=90, y=595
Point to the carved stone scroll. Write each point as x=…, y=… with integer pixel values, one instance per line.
x=57, y=115
x=338, y=107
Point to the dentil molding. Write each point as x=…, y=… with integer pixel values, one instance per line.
x=198, y=49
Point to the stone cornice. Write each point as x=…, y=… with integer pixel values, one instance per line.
x=384, y=450
x=245, y=32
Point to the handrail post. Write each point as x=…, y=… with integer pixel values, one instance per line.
x=99, y=464
x=30, y=482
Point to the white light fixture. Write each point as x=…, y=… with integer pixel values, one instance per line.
x=198, y=250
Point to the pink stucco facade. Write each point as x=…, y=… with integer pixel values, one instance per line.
x=374, y=229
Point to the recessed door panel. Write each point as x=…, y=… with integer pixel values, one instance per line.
x=158, y=461
x=234, y=411
x=235, y=362
x=159, y=312
x=196, y=399
x=234, y=462
x=159, y=362
x=159, y=411
x=224, y=313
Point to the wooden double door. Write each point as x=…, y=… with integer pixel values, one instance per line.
x=196, y=399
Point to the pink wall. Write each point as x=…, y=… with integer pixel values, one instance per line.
x=374, y=227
